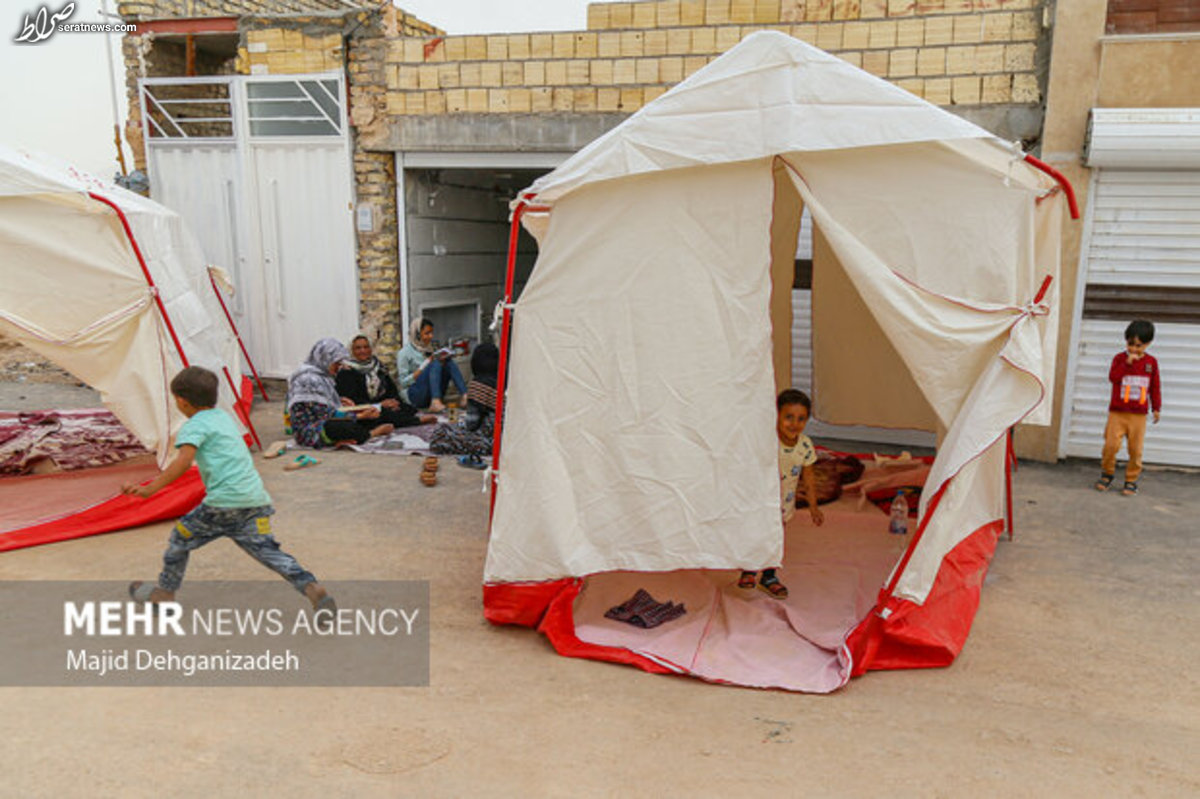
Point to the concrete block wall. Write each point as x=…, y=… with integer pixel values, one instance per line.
x=950, y=52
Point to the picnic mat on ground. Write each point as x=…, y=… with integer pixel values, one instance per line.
x=61, y=441
x=403, y=441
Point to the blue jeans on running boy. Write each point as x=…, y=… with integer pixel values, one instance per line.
x=433, y=381
x=249, y=528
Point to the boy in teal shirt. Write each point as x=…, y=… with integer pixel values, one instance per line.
x=235, y=506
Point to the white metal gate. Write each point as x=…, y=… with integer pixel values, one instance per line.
x=260, y=168
x=1140, y=258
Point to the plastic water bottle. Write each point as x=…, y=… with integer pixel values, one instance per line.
x=898, y=525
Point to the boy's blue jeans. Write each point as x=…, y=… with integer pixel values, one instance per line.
x=249, y=528
x=433, y=382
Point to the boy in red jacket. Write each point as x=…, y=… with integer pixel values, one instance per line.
x=1135, y=389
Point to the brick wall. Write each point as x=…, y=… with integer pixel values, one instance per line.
x=1152, y=16
x=375, y=180
x=951, y=52
x=294, y=47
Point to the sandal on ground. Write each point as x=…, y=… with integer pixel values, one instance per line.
x=275, y=449
x=301, y=462
x=773, y=588
x=1130, y=489
x=1104, y=482
x=747, y=580
x=472, y=462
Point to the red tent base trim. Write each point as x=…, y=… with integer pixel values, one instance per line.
x=119, y=513
x=913, y=636
x=547, y=606
x=929, y=635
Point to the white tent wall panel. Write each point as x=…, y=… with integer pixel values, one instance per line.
x=1177, y=348
x=103, y=325
x=674, y=465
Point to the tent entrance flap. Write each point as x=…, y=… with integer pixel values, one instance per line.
x=786, y=210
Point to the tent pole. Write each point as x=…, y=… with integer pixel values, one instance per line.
x=1010, y=466
x=502, y=372
x=162, y=310
x=237, y=406
x=514, y=233
x=238, y=335
x=1062, y=181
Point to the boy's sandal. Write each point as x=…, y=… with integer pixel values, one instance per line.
x=746, y=580
x=1104, y=482
x=275, y=449
x=429, y=478
x=773, y=588
x=1130, y=489
x=324, y=615
x=301, y=462
x=141, y=591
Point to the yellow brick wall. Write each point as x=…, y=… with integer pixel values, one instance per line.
x=280, y=51
x=951, y=52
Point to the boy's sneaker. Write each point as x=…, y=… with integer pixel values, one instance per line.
x=1130, y=489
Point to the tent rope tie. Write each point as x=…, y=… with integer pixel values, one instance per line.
x=498, y=314
x=490, y=474
x=1035, y=308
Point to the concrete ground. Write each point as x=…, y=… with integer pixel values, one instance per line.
x=1079, y=678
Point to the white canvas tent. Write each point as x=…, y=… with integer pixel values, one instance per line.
x=113, y=288
x=653, y=335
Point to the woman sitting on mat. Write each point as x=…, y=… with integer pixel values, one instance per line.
x=314, y=405
x=364, y=381
x=425, y=375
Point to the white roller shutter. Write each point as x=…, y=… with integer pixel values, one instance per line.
x=1141, y=259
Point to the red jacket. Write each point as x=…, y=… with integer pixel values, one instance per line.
x=1135, y=387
